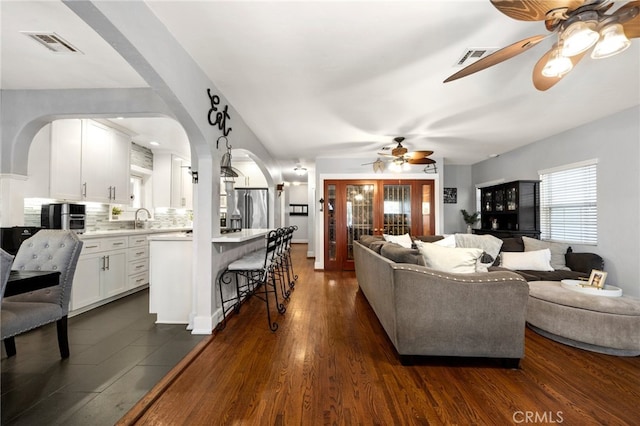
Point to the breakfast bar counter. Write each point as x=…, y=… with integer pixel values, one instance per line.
x=171, y=290
x=241, y=236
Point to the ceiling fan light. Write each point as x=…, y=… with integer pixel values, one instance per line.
x=557, y=65
x=395, y=167
x=613, y=41
x=578, y=37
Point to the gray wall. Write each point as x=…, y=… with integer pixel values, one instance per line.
x=458, y=177
x=615, y=142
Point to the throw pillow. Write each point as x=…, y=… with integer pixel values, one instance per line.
x=449, y=259
x=448, y=241
x=488, y=243
x=558, y=250
x=538, y=260
x=404, y=240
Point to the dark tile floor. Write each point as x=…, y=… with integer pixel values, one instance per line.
x=118, y=353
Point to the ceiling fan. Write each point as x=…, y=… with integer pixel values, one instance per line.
x=579, y=25
x=400, y=158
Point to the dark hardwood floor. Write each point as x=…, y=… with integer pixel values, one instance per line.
x=330, y=362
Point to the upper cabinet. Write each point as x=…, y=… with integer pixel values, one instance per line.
x=89, y=162
x=105, y=164
x=172, y=184
x=65, y=181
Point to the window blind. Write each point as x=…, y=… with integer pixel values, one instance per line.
x=568, y=204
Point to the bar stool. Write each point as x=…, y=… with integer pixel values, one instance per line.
x=280, y=263
x=249, y=273
x=289, y=262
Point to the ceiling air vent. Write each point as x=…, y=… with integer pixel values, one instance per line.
x=52, y=41
x=473, y=54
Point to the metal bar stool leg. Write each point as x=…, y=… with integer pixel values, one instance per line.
x=224, y=279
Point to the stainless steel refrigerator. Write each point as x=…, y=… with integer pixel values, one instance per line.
x=253, y=205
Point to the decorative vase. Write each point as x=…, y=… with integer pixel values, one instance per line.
x=469, y=230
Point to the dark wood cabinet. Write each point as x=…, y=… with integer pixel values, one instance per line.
x=511, y=209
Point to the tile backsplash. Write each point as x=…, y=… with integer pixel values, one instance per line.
x=98, y=217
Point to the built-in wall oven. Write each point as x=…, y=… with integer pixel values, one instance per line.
x=63, y=216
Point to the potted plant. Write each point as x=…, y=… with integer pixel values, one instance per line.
x=470, y=219
x=115, y=212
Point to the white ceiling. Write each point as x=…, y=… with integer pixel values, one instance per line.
x=334, y=78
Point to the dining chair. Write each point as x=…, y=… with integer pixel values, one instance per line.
x=48, y=250
x=5, y=268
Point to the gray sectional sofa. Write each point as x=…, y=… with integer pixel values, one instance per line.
x=432, y=313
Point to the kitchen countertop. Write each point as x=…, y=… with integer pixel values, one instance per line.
x=231, y=237
x=171, y=236
x=240, y=236
x=126, y=232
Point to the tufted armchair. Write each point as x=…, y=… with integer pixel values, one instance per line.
x=48, y=250
x=5, y=268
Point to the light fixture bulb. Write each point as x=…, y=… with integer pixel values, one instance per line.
x=557, y=65
x=579, y=37
x=300, y=171
x=613, y=41
x=406, y=166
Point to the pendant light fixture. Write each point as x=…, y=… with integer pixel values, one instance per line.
x=225, y=164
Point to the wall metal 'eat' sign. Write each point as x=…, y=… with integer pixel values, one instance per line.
x=221, y=117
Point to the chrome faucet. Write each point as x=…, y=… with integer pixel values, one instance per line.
x=135, y=220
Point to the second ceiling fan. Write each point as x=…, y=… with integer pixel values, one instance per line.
x=399, y=156
x=579, y=25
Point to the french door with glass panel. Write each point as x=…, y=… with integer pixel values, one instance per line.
x=373, y=207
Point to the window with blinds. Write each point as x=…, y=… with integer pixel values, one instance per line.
x=568, y=203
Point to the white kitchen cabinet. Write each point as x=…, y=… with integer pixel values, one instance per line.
x=181, y=186
x=172, y=184
x=101, y=272
x=81, y=160
x=66, y=160
x=170, y=278
x=105, y=164
x=86, y=288
x=138, y=261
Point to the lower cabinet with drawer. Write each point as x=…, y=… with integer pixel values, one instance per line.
x=138, y=261
x=109, y=267
x=101, y=271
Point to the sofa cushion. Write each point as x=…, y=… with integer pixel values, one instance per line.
x=377, y=245
x=404, y=240
x=512, y=244
x=558, y=251
x=584, y=262
x=366, y=240
x=538, y=260
x=448, y=259
x=399, y=254
x=544, y=275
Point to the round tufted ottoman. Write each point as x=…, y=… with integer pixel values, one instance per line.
x=609, y=325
